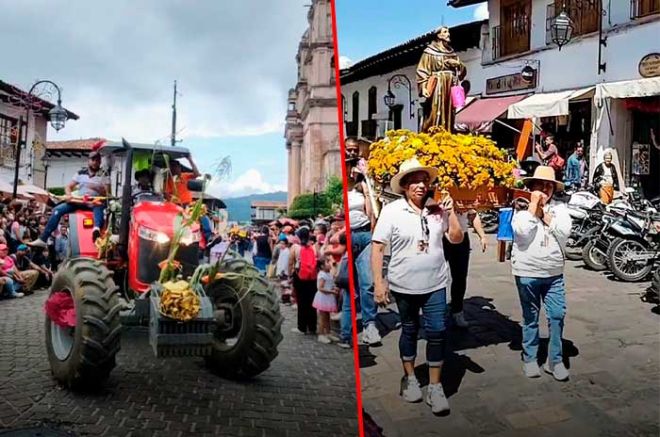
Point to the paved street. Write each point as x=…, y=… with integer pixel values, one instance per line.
x=309, y=389
x=611, y=343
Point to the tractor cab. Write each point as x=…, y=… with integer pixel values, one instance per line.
x=141, y=219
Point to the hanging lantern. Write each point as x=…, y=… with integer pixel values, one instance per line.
x=561, y=29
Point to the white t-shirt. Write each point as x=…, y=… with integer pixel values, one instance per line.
x=537, y=249
x=357, y=216
x=411, y=271
x=608, y=179
x=329, y=281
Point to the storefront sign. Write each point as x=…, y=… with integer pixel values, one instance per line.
x=649, y=66
x=641, y=159
x=510, y=82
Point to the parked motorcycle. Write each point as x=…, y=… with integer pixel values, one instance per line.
x=594, y=252
x=489, y=221
x=633, y=255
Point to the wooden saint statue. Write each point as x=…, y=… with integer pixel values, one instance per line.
x=438, y=70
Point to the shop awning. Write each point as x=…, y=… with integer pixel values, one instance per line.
x=629, y=88
x=480, y=114
x=468, y=100
x=546, y=104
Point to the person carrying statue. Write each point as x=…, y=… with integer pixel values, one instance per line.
x=438, y=70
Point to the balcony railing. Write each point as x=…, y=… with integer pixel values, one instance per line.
x=584, y=14
x=369, y=129
x=504, y=43
x=643, y=8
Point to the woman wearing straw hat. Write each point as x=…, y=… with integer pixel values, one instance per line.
x=537, y=263
x=417, y=274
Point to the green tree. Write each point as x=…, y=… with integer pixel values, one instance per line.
x=309, y=206
x=57, y=191
x=335, y=191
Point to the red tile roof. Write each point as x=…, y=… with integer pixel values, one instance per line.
x=85, y=144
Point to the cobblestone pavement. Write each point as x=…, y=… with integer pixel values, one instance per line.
x=309, y=389
x=611, y=342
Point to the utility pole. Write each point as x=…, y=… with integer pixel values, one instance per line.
x=173, y=139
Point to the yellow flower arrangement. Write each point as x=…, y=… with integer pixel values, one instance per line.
x=468, y=161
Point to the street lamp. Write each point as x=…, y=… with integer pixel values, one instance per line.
x=57, y=117
x=399, y=80
x=561, y=29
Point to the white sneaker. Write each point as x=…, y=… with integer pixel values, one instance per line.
x=18, y=295
x=460, y=321
x=344, y=345
x=38, y=243
x=410, y=389
x=559, y=371
x=323, y=339
x=435, y=397
x=371, y=335
x=333, y=338
x=532, y=370
x=297, y=331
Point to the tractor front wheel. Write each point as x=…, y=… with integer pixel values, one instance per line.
x=247, y=344
x=82, y=356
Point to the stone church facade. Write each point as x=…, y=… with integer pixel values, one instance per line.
x=312, y=135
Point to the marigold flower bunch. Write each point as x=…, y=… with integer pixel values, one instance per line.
x=463, y=160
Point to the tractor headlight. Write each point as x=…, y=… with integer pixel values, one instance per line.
x=151, y=235
x=189, y=237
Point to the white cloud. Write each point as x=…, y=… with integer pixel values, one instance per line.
x=250, y=182
x=233, y=75
x=345, y=62
x=481, y=12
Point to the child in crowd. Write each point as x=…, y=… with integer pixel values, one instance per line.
x=325, y=300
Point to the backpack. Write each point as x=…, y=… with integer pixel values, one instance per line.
x=307, y=270
x=556, y=162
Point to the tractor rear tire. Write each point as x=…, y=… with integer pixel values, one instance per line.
x=82, y=357
x=249, y=347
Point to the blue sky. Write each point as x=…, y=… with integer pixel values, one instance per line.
x=366, y=27
x=234, y=63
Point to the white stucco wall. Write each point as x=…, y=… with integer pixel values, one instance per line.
x=61, y=170
x=37, y=130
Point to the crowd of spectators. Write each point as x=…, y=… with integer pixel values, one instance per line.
x=24, y=269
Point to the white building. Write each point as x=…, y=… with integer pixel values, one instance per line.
x=13, y=110
x=64, y=159
x=615, y=106
x=267, y=211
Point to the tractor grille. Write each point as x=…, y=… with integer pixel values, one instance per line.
x=152, y=253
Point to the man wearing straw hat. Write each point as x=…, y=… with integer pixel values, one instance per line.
x=417, y=274
x=537, y=263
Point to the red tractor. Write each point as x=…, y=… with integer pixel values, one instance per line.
x=237, y=330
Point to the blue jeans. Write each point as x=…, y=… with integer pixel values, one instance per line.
x=346, y=322
x=434, y=312
x=552, y=292
x=68, y=208
x=361, y=251
x=261, y=263
x=10, y=288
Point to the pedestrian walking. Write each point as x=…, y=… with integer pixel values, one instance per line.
x=303, y=265
x=458, y=258
x=606, y=179
x=361, y=218
x=413, y=228
x=576, y=169
x=537, y=263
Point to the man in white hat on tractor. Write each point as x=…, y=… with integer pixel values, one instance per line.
x=537, y=262
x=417, y=273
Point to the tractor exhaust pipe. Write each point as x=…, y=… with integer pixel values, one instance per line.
x=125, y=200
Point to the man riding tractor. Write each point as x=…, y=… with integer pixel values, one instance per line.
x=96, y=289
x=90, y=182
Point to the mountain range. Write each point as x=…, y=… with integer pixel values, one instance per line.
x=239, y=208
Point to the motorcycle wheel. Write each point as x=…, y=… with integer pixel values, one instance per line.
x=628, y=271
x=593, y=259
x=489, y=221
